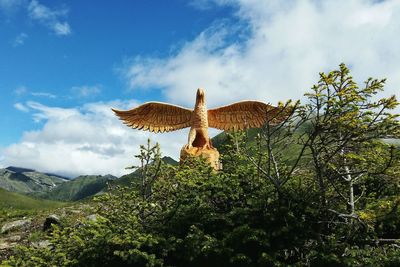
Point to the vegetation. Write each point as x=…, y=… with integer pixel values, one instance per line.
x=14, y=205
x=11, y=200
x=320, y=189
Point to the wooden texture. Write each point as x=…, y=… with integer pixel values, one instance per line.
x=210, y=154
x=162, y=117
x=156, y=117
x=244, y=115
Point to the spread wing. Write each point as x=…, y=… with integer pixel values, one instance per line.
x=156, y=117
x=243, y=115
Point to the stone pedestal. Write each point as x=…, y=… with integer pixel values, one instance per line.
x=210, y=154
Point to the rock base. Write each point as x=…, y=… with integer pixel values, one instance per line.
x=210, y=154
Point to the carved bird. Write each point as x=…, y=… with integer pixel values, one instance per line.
x=162, y=117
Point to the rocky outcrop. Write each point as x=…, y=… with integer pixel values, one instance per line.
x=15, y=225
x=41, y=244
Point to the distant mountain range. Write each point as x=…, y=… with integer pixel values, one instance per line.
x=51, y=186
x=55, y=187
x=27, y=181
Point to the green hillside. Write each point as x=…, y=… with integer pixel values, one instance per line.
x=289, y=153
x=78, y=188
x=11, y=200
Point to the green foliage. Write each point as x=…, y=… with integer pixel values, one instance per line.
x=266, y=208
x=14, y=206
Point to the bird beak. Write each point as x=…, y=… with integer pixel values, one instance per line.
x=200, y=92
x=200, y=96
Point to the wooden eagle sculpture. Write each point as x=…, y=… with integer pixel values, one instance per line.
x=162, y=117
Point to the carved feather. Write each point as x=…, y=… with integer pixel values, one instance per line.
x=156, y=117
x=243, y=115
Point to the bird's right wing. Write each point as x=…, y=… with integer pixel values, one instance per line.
x=244, y=115
x=156, y=117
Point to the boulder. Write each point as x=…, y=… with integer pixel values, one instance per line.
x=9, y=242
x=14, y=238
x=92, y=217
x=15, y=225
x=41, y=244
x=5, y=245
x=51, y=220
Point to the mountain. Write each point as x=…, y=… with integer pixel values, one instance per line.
x=170, y=161
x=51, y=186
x=79, y=188
x=219, y=141
x=22, y=180
x=19, y=169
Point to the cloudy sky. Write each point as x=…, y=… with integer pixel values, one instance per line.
x=65, y=63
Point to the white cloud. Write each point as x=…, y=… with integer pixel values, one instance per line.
x=20, y=90
x=85, y=91
x=21, y=107
x=51, y=18
x=20, y=39
x=84, y=140
x=62, y=28
x=282, y=46
x=51, y=113
x=44, y=94
x=23, y=90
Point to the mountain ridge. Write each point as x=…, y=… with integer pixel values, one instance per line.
x=23, y=180
x=58, y=188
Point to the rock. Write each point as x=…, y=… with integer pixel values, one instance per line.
x=51, y=220
x=14, y=238
x=6, y=245
x=73, y=211
x=84, y=206
x=41, y=244
x=92, y=217
x=12, y=226
x=9, y=242
x=210, y=154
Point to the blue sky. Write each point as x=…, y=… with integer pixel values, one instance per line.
x=39, y=64
x=64, y=64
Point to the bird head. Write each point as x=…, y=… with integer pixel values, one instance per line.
x=200, y=96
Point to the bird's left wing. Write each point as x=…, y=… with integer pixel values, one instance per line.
x=243, y=115
x=156, y=117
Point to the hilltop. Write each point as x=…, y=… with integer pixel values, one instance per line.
x=22, y=180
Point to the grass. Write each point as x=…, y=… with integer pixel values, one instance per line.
x=11, y=200
x=14, y=206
